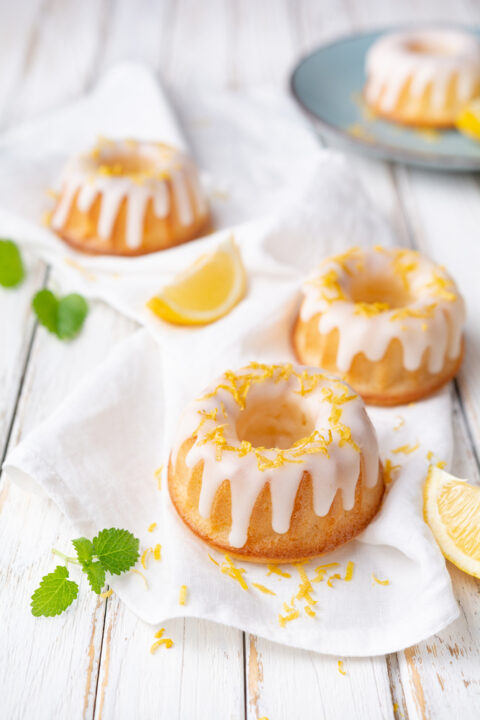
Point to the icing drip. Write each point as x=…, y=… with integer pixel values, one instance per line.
x=430, y=58
x=169, y=179
x=339, y=438
x=432, y=319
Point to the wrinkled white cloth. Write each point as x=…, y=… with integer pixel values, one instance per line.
x=96, y=456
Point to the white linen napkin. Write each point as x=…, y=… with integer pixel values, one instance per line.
x=96, y=455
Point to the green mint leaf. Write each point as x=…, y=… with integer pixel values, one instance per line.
x=45, y=306
x=54, y=594
x=84, y=549
x=63, y=317
x=71, y=314
x=116, y=549
x=11, y=266
x=95, y=573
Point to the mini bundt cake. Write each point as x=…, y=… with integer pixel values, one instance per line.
x=129, y=198
x=276, y=463
x=388, y=321
x=423, y=77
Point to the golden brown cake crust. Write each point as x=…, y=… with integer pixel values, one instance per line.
x=308, y=536
x=385, y=382
x=130, y=198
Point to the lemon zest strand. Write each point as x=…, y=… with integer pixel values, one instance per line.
x=349, y=571
x=263, y=589
x=406, y=449
x=167, y=642
x=143, y=558
x=234, y=572
x=275, y=570
x=335, y=576
x=388, y=471
x=321, y=571
x=158, y=475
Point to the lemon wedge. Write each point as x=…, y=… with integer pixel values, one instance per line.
x=468, y=122
x=205, y=291
x=451, y=508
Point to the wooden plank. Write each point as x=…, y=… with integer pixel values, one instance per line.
x=287, y=683
x=200, y=45
x=62, y=56
x=16, y=322
x=142, y=33
x=16, y=328
x=67, y=648
x=265, y=42
x=17, y=23
x=440, y=676
x=436, y=678
x=200, y=676
x=175, y=682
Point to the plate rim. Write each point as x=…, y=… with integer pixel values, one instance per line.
x=380, y=149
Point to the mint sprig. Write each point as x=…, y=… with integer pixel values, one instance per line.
x=117, y=550
x=11, y=266
x=63, y=317
x=113, y=550
x=54, y=594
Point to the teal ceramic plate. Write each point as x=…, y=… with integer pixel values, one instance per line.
x=328, y=84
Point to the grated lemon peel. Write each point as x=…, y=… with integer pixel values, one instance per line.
x=166, y=642
x=389, y=470
x=263, y=589
x=229, y=568
x=275, y=570
x=406, y=449
x=158, y=476
x=239, y=384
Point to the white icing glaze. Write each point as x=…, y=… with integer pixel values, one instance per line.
x=173, y=180
x=434, y=296
x=391, y=62
x=337, y=470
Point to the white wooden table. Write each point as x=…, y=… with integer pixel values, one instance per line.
x=94, y=661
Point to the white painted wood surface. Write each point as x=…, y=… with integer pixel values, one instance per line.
x=94, y=662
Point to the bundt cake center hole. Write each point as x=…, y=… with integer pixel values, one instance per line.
x=388, y=290
x=274, y=423
x=124, y=164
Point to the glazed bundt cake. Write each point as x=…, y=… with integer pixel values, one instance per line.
x=276, y=463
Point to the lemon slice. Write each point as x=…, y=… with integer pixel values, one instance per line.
x=468, y=122
x=205, y=291
x=451, y=508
